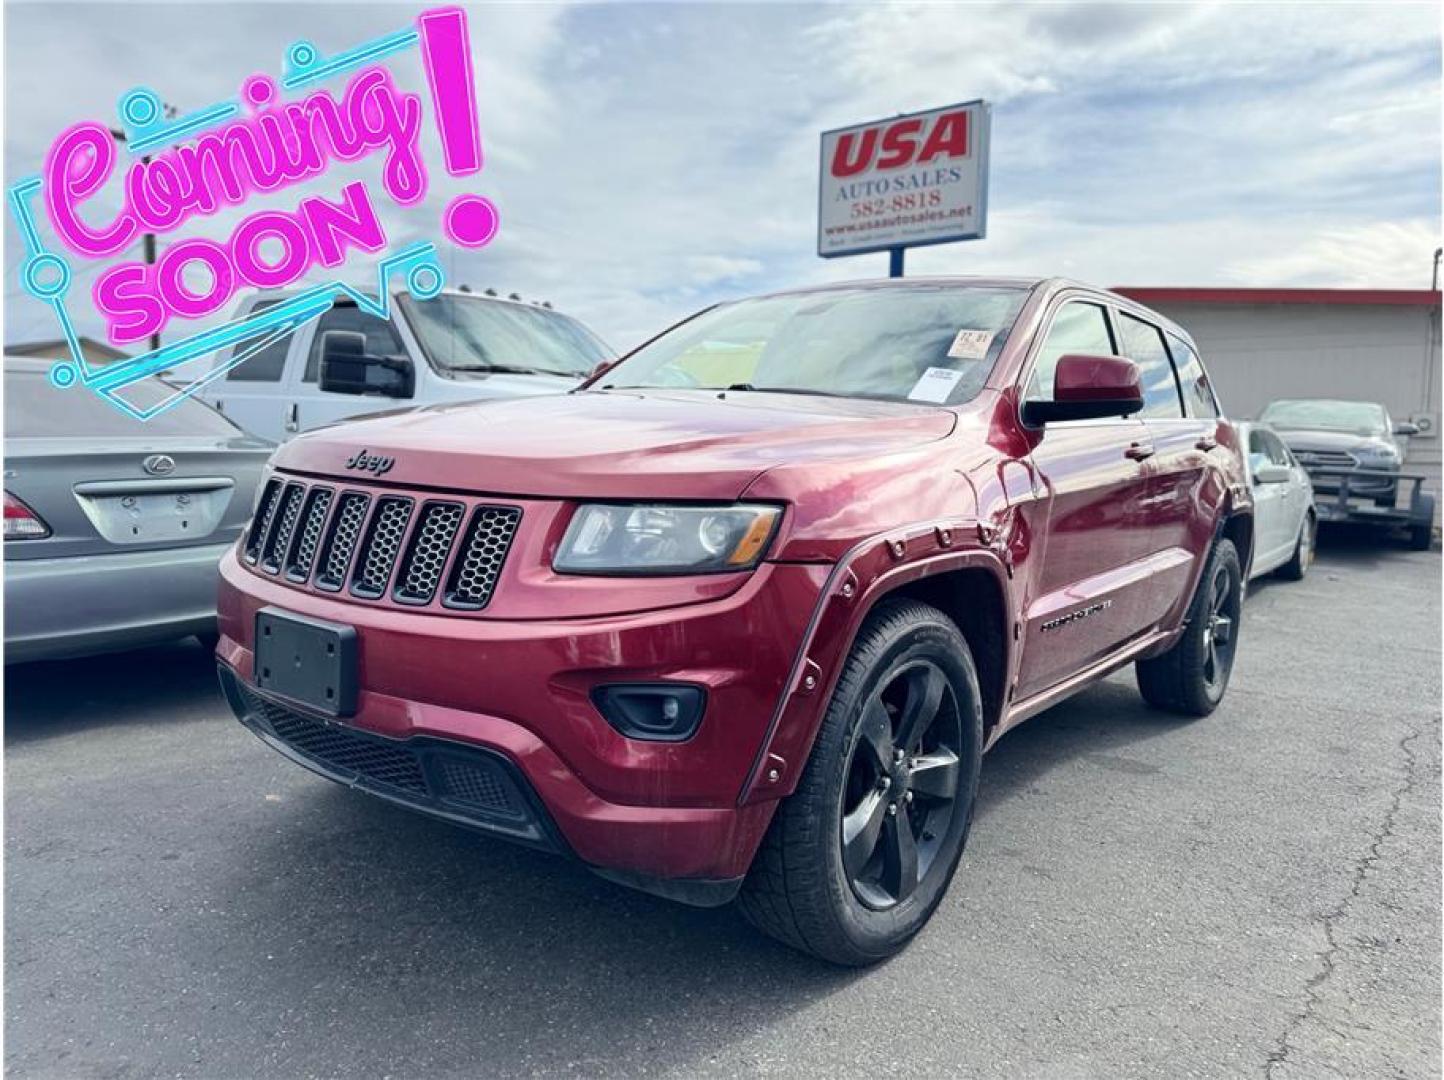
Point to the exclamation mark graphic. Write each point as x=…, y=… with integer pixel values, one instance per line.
x=468, y=220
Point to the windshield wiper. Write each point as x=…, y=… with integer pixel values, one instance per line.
x=777, y=390
x=508, y=369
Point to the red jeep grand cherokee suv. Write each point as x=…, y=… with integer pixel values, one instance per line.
x=744, y=612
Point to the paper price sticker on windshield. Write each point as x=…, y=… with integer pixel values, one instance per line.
x=935, y=385
x=970, y=345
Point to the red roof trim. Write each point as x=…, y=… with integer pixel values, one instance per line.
x=1146, y=294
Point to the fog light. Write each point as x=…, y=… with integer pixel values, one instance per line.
x=658, y=712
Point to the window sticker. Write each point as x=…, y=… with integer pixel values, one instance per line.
x=970, y=345
x=936, y=384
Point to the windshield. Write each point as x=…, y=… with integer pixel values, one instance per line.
x=1355, y=417
x=35, y=409
x=473, y=333
x=925, y=343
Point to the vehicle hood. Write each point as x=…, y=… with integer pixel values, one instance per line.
x=1300, y=440
x=668, y=444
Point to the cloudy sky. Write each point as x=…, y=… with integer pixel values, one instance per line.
x=648, y=159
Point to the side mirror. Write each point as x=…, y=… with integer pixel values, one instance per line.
x=1272, y=473
x=346, y=368
x=1087, y=387
x=1404, y=427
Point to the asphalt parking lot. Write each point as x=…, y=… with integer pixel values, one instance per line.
x=1253, y=894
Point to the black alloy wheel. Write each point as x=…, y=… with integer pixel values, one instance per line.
x=1220, y=626
x=1191, y=676
x=860, y=855
x=901, y=785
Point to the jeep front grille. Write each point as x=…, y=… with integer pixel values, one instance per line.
x=475, y=573
x=303, y=555
x=274, y=546
x=430, y=546
x=381, y=545
x=341, y=542
x=261, y=523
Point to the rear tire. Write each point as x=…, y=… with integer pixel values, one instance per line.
x=1303, y=557
x=859, y=856
x=1191, y=677
x=1421, y=537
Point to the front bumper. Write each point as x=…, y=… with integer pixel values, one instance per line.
x=518, y=692
x=93, y=603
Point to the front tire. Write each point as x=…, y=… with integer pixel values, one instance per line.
x=1191, y=677
x=859, y=856
x=1303, y=557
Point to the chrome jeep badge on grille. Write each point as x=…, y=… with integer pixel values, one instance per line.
x=372, y=463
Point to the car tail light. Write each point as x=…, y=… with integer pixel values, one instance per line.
x=21, y=522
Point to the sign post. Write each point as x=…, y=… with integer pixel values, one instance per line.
x=912, y=180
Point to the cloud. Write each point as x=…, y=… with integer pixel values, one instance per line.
x=1398, y=254
x=707, y=269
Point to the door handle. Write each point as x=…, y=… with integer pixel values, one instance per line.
x=1207, y=443
x=1139, y=451
x=293, y=417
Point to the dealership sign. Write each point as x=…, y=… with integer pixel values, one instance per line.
x=920, y=178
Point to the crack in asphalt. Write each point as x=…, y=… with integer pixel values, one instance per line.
x=1329, y=956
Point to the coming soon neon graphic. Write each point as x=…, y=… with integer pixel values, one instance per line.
x=221, y=156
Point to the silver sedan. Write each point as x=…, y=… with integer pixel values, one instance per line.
x=114, y=527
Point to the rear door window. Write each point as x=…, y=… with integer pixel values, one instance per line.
x=1143, y=344
x=1077, y=328
x=1198, y=396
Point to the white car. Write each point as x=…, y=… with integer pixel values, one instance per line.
x=1285, y=521
x=457, y=346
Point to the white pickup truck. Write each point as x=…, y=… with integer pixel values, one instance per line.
x=457, y=346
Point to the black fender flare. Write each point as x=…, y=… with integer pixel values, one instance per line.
x=864, y=576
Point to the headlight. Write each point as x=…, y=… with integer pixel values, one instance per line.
x=1378, y=455
x=606, y=539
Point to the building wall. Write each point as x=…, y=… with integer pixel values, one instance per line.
x=1388, y=353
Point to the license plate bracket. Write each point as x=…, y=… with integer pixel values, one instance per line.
x=310, y=661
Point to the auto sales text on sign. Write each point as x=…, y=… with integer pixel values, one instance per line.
x=920, y=178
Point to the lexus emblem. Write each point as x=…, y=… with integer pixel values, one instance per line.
x=158, y=464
